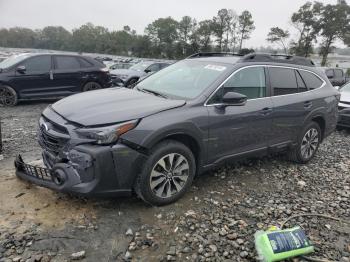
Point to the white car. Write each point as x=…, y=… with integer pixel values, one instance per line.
x=344, y=106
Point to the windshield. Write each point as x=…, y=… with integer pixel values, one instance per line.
x=186, y=79
x=140, y=66
x=13, y=60
x=345, y=88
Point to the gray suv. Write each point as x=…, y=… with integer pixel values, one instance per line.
x=188, y=118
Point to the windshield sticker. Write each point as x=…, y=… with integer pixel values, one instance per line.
x=215, y=67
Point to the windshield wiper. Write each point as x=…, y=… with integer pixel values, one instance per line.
x=152, y=92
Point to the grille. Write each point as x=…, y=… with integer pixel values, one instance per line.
x=33, y=171
x=48, y=136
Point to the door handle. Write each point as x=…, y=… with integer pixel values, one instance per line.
x=266, y=111
x=51, y=75
x=307, y=104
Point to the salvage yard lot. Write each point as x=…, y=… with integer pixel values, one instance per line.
x=215, y=221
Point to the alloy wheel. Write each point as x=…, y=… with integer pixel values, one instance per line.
x=7, y=98
x=169, y=175
x=309, y=143
x=92, y=86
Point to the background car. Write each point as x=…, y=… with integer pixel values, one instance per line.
x=344, y=106
x=33, y=76
x=128, y=77
x=336, y=76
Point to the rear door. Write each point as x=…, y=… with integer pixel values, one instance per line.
x=35, y=80
x=242, y=129
x=68, y=76
x=292, y=102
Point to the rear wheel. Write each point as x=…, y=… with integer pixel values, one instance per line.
x=167, y=174
x=308, y=144
x=91, y=86
x=8, y=96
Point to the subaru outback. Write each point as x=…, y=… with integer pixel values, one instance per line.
x=188, y=118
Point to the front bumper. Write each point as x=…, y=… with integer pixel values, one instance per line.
x=89, y=170
x=344, y=117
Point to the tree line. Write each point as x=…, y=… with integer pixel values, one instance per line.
x=315, y=22
x=172, y=39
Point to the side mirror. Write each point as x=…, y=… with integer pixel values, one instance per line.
x=148, y=71
x=234, y=99
x=21, y=69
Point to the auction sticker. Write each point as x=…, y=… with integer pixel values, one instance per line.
x=215, y=67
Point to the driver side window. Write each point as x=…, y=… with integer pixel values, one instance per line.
x=250, y=82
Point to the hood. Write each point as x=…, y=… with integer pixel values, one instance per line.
x=345, y=96
x=128, y=72
x=112, y=105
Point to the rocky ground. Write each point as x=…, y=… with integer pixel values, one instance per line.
x=215, y=221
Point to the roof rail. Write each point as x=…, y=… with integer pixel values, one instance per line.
x=209, y=54
x=277, y=58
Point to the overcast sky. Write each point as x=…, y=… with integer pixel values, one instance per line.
x=114, y=14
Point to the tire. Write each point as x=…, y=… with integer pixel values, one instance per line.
x=131, y=83
x=167, y=174
x=8, y=96
x=308, y=143
x=91, y=86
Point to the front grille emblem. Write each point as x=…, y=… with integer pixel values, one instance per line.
x=45, y=126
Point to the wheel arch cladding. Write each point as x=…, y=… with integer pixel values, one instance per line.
x=321, y=122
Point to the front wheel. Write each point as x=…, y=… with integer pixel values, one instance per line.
x=167, y=174
x=8, y=96
x=308, y=144
x=131, y=83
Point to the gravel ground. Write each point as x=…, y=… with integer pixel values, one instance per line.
x=215, y=221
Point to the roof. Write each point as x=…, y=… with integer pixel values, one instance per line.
x=253, y=58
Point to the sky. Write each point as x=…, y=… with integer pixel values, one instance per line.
x=114, y=14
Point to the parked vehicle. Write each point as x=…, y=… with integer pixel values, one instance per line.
x=128, y=77
x=336, y=76
x=33, y=76
x=187, y=118
x=120, y=66
x=344, y=106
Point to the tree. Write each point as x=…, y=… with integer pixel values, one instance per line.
x=163, y=33
x=246, y=26
x=55, y=38
x=186, y=29
x=277, y=34
x=220, y=26
x=204, y=33
x=335, y=20
x=306, y=20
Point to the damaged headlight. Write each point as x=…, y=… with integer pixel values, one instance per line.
x=107, y=134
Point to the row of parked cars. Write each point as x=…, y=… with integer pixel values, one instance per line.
x=154, y=138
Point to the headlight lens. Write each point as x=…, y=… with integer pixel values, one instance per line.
x=107, y=134
x=123, y=77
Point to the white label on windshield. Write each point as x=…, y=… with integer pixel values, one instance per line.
x=215, y=67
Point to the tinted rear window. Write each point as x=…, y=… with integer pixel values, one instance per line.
x=85, y=63
x=311, y=80
x=283, y=81
x=67, y=62
x=338, y=73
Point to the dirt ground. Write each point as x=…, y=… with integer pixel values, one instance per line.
x=215, y=221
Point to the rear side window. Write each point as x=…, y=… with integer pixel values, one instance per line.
x=311, y=80
x=67, y=62
x=338, y=73
x=84, y=63
x=283, y=81
x=38, y=64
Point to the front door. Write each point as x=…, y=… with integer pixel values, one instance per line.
x=34, y=80
x=242, y=129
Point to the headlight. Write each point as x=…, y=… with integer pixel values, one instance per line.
x=123, y=77
x=107, y=134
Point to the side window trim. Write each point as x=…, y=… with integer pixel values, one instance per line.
x=267, y=84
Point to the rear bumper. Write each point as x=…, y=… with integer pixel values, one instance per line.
x=89, y=170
